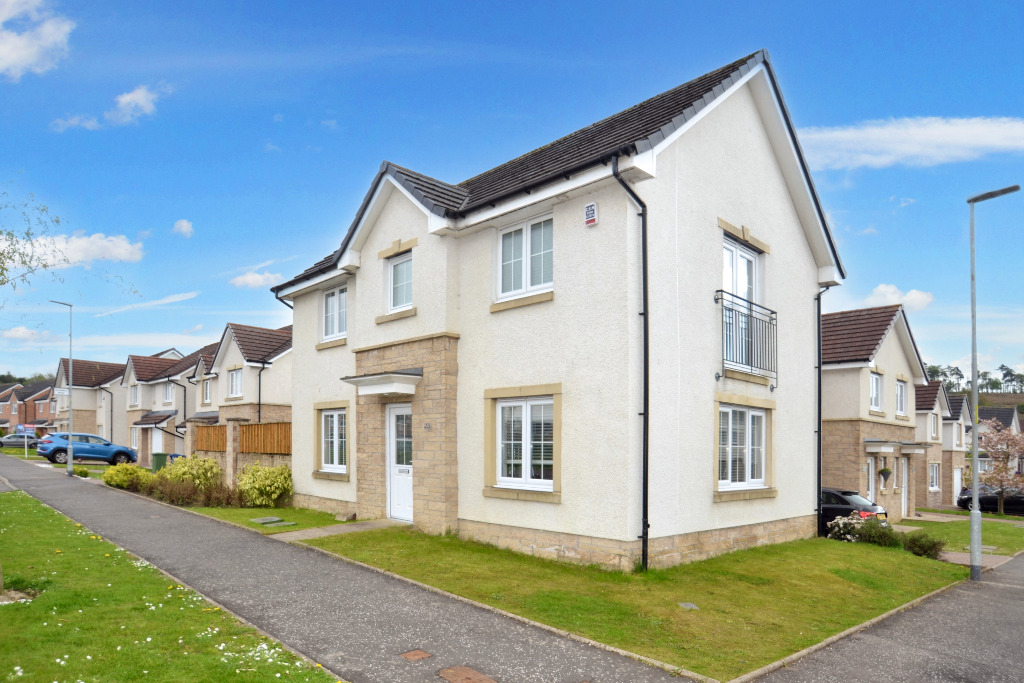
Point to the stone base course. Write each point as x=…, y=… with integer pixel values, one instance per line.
x=338, y=507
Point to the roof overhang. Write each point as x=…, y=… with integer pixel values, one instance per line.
x=880, y=446
x=400, y=383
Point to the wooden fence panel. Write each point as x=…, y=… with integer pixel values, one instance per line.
x=269, y=437
x=212, y=438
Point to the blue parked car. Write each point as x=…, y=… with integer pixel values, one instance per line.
x=54, y=447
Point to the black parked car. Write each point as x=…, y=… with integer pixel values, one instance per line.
x=842, y=502
x=1013, y=504
x=18, y=440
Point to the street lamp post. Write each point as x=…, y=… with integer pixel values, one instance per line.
x=975, y=507
x=71, y=389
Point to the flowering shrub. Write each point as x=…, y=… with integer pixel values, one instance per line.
x=128, y=476
x=203, y=473
x=265, y=486
x=845, y=528
x=853, y=529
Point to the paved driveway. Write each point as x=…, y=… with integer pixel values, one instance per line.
x=354, y=621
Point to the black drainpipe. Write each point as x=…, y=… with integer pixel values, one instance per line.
x=184, y=405
x=259, y=393
x=645, y=520
x=817, y=503
x=111, y=439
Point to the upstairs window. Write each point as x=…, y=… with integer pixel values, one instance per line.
x=14, y=408
x=134, y=393
x=206, y=391
x=400, y=282
x=901, y=397
x=335, y=313
x=526, y=257
x=235, y=382
x=935, y=426
x=876, y=391
x=168, y=392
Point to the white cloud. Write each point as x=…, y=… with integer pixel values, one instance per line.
x=65, y=251
x=22, y=333
x=139, y=342
x=887, y=295
x=329, y=124
x=183, y=227
x=130, y=106
x=256, y=280
x=911, y=141
x=42, y=42
x=868, y=231
x=271, y=147
x=172, y=299
x=193, y=330
x=76, y=121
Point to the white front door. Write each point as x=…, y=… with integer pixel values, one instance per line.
x=904, y=465
x=399, y=431
x=871, y=480
x=958, y=483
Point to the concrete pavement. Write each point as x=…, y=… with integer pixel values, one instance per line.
x=354, y=621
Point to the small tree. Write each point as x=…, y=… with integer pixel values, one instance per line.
x=1004, y=450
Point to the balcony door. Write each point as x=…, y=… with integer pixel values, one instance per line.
x=739, y=275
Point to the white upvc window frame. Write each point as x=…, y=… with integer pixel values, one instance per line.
x=933, y=476
x=14, y=408
x=523, y=266
x=334, y=434
x=958, y=431
x=168, y=392
x=235, y=383
x=393, y=264
x=754, y=464
x=334, y=313
x=133, y=395
x=875, y=391
x=135, y=437
x=526, y=407
x=901, y=397
x=206, y=390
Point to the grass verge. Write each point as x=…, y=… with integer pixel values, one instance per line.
x=755, y=606
x=967, y=513
x=303, y=518
x=1007, y=538
x=97, y=613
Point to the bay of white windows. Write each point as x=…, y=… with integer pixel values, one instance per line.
x=526, y=444
x=901, y=397
x=741, y=446
x=235, y=382
x=333, y=447
x=876, y=391
x=335, y=322
x=400, y=282
x=526, y=258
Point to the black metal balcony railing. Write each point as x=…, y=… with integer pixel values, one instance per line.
x=748, y=336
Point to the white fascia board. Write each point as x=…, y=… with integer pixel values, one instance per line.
x=349, y=261
x=221, y=345
x=910, y=350
x=828, y=276
x=385, y=384
x=913, y=450
x=847, y=366
x=280, y=355
x=331, y=278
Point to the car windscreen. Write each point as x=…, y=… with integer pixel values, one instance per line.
x=857, y=499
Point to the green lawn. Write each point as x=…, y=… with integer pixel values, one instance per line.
x=20, y=453
x=966, y=513
x=1008, y=538
x=303, y=518
x=97, y=613
x=755, y=606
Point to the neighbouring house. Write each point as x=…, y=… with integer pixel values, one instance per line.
x=535, y=359
x=933, y=486
x=34, y=405
x=871, y=373
x=1006, y=417
x=246, y=378
x=84, y=397
x=8, y=417
x=955, y=445
x=157, y=400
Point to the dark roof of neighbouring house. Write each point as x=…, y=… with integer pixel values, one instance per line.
x=956, y=404
x=1003, y=415
x=92, y=373
x=260, y=344
x=4, y=388
x=855, y=336
x=924, y=396
x=634, y=130
x=156, y=417
x=27, y=392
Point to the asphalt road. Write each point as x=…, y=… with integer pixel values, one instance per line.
x=970, y=633
x=354, y=621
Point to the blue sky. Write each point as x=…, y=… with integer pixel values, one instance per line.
x=198, y=153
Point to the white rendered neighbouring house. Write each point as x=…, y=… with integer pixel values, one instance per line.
x=472, y=357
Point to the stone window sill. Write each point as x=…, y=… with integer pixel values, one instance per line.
x=747, y=377
x=902, y=417
x=745, y=494
x=332, y=476
x=522, y=301
x=334, y=343
x=233, y=398
x=520, y=494
x=877, y=413
x=407, y=313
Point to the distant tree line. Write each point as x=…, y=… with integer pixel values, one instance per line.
x=1008, y=380
x=8, y=378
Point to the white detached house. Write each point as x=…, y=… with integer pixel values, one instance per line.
x=601, y=351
